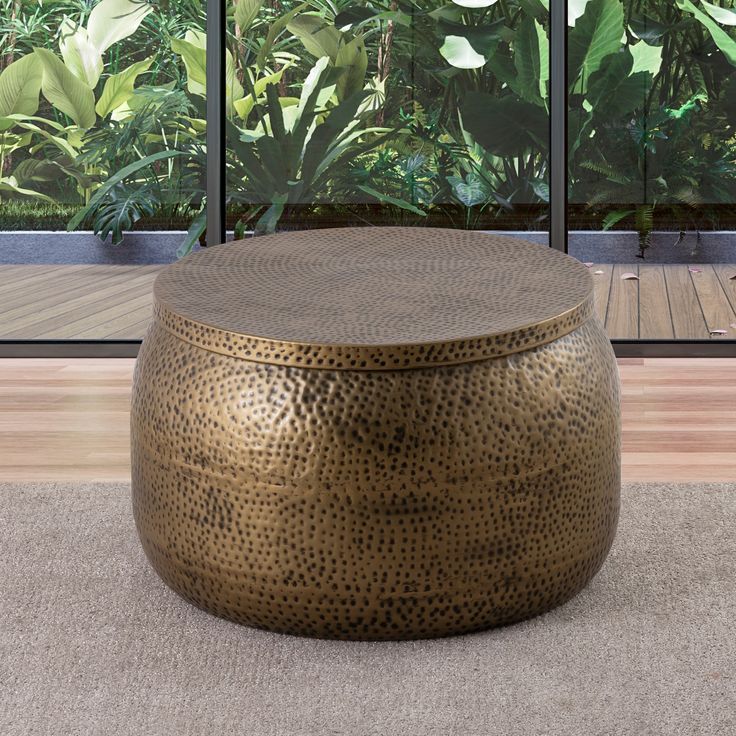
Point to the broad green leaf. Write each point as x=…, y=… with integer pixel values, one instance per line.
x=80, y=55
x=357, y=16
x=475, y=3
x=273, y=32
x=63, y=145
x=144, y=96
x=483, y=37
x=502, y=66
x=9, y=184
x=113, y=20
x=353, y=60
x=246, y=12
x=535, y=8
x=470, y=191
x=193, y=50
x=116, y=178
x=65, y=92
x=540, y=187
x=195, y=62
x=458, y=52
x=613, y=90
x=646, y=58
x=724, y=42
x=11, y=141
x=244, y=105
x=386, y=199
x=597, y=33
x=575, y=8
x=647, y=29
x=726, y=16
x=198, y=226
x=313, y=85
x=505, y=126
x=20, y=84
x=531, y=58
x=233, y=88
x=119, y=87
x=270, y=218
x=318, y=37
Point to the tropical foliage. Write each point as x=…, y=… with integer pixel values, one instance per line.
x=381, y=111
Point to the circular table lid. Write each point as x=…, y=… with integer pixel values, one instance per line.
x=373, y=298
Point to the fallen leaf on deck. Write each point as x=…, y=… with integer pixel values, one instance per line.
x=628, y=276
x=597, y=272
x=695, y=270
x=587, y=263
x=719, y=332
x=731, y=278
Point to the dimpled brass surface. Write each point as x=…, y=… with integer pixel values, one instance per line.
x=367, y=502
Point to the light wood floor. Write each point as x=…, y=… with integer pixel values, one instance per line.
x=114, y=302
x=67, y=420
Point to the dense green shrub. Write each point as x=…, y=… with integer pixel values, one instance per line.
x=395, y=111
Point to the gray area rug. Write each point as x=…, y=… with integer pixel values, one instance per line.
x=92, y=642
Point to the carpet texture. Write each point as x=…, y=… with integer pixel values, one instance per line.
x=91, y=641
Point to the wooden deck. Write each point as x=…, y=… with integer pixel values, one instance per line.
x=114, y=302
x=666, y=302
x=75, y=302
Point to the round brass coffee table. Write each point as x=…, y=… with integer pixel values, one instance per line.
x=376, y=433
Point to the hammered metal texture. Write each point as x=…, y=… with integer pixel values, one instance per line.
x=378, y=504
x=373, y=298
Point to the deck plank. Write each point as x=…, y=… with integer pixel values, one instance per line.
x=726, y=273
x=602, y=288
x=717, y=309
x=83, y=294
x=113, y=302
x=90, y=325
x=37, y=277
x=687, y=314
x=53, y=320
x=655, y=319
x=622, y=320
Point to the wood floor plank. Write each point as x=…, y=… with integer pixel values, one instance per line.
x=66, y=420
x=655, y=318
x=622, y=320
x=602, y=274
x=717, y=309
x=687, y=314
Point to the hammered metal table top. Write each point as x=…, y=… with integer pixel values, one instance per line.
x=373, y=298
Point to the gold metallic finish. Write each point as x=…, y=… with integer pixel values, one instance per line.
x=359, y=503
x=369, y=303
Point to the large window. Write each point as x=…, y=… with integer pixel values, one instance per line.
x=336, y=112
x=101, y=133
x=652, y=154
x=387, y=113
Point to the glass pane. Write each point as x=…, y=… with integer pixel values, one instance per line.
x=102, y=130
x=652, y=147
x=386, y=113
